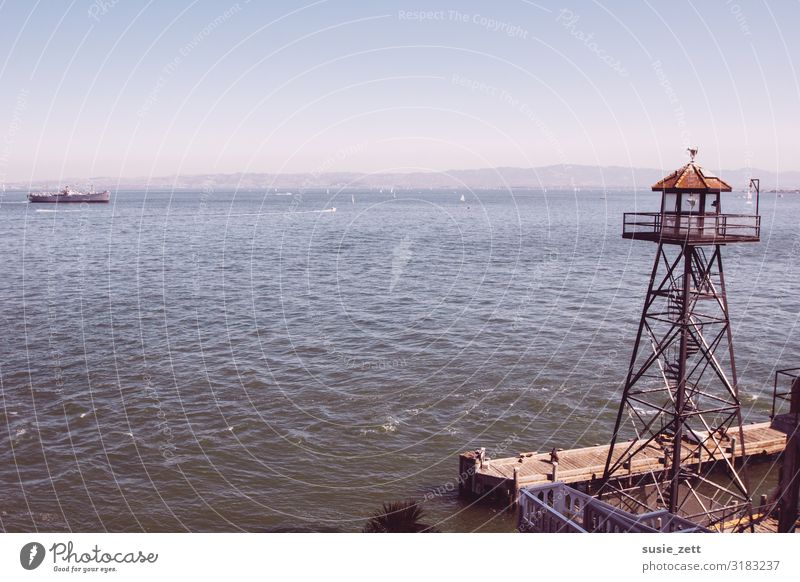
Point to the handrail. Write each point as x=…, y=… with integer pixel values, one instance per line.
x=791, y=373
x=556, y=507
x=688, y=225
x=543, y=519
x=695, y=215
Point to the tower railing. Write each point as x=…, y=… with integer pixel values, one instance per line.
x=702, y=228
x=780, y=393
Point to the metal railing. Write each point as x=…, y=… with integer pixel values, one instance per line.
x=550, y=509
x=781, y=376
x=558, y=508
x=692, y=226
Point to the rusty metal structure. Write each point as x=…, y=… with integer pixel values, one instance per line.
x=680, y=398
x=786, y=496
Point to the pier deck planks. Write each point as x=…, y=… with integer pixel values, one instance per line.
x=586, y=464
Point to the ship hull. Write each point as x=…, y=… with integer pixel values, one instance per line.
x=93, y=198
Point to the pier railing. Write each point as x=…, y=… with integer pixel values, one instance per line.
x=786, y=392
x=692, y=227
x=780, y=391
x=558, y=508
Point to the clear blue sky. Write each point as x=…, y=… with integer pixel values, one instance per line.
x=137, y=88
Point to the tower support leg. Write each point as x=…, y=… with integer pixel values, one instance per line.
x=680, y=400
x=789, y=486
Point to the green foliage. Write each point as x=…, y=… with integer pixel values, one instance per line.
x=398, y=517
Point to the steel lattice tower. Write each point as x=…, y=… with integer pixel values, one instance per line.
x=680, y=400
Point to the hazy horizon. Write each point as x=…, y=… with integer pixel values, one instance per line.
x=107, y=88
x=553, y=177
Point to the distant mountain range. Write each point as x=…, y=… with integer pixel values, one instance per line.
x=552, y=177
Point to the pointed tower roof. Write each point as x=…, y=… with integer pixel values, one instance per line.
x=691, y=178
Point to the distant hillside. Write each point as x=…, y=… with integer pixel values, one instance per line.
x=553, y=177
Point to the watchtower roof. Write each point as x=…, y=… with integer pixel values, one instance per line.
x=691, y=178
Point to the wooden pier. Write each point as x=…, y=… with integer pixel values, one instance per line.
x=499, y=480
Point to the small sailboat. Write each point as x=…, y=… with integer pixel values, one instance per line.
x=393, y=194
x=352, y=198
x=749, y=196
x=463, y=199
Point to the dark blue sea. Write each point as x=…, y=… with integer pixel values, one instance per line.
x=226, y=361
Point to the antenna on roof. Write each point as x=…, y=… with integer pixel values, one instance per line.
x=692, y=153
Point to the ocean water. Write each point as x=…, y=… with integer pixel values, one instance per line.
x=227, y=361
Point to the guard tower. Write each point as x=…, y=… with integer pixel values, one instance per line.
x=680, y=400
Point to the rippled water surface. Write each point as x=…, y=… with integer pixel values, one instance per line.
x=218, y=361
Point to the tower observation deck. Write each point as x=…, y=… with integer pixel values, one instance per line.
x=691, y=212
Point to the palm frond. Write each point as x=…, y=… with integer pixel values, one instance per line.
x=398, y=517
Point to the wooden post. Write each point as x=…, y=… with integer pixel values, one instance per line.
x=467, y=463
x=789, y=484
x=554, y=476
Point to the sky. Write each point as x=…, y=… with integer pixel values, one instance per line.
x=130, y=88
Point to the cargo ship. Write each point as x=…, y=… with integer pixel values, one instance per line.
x=69, y=195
